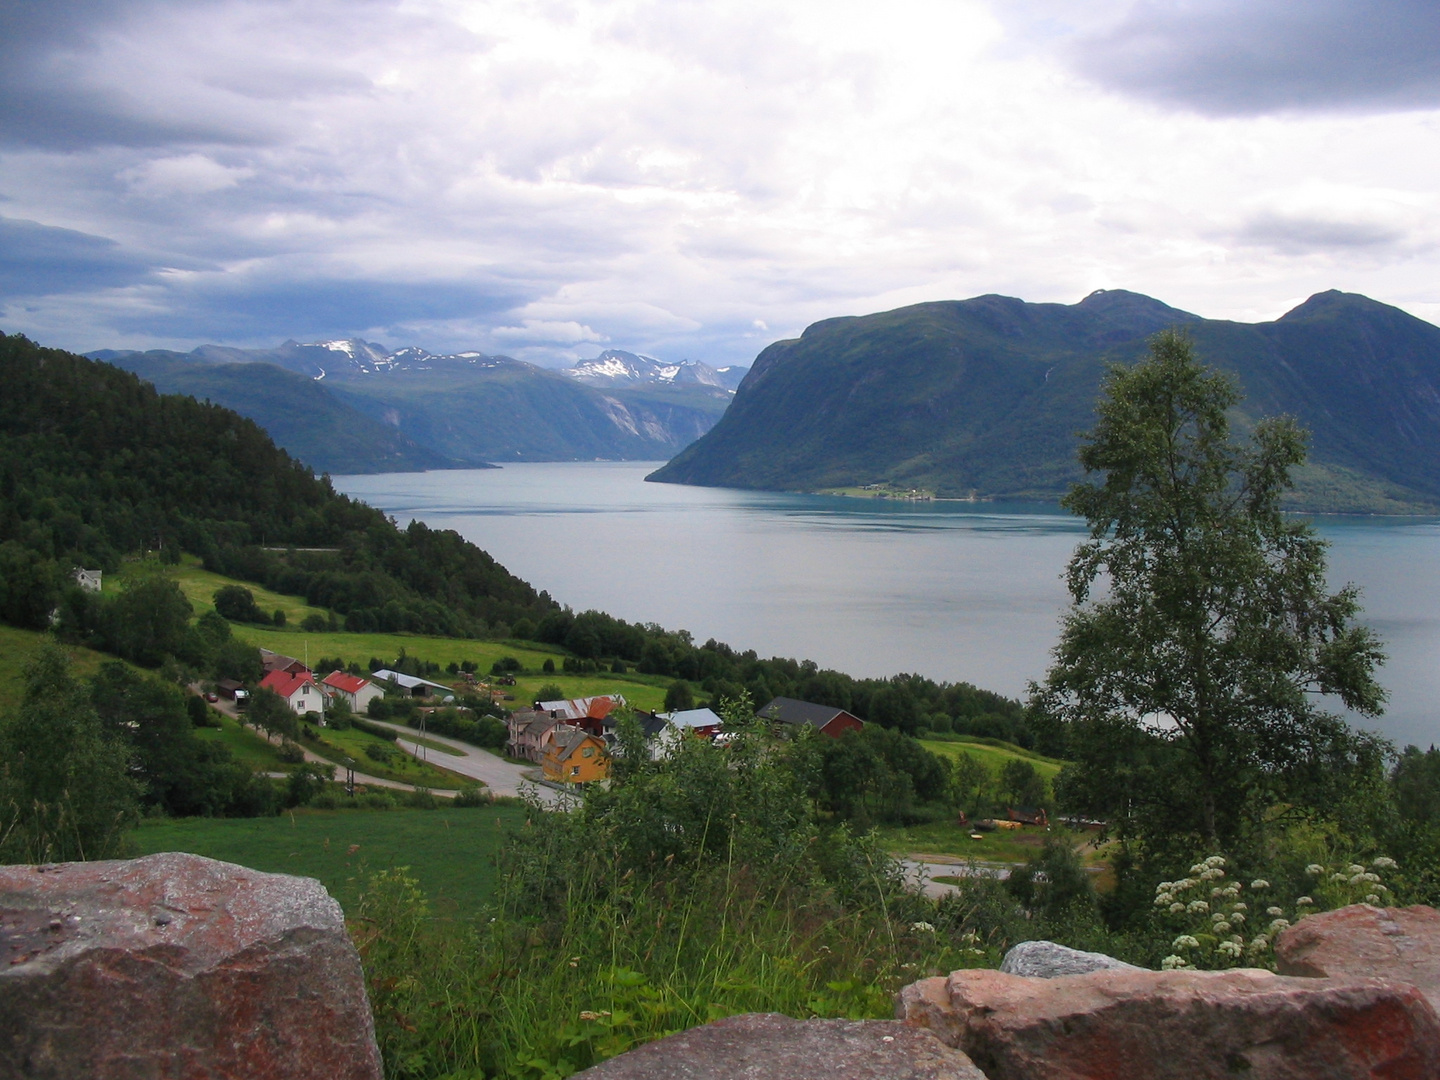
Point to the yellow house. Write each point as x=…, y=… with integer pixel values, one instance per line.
x=574, y=757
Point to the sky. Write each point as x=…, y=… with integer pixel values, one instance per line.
x=696, y=180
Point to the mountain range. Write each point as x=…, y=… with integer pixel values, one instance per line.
x=986, y=398
x=349, y=405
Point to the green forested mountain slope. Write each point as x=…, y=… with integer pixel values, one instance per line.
x=300, y=414
x=95, y=465
x=466, y=410
x=985, y=397
x=509, y=410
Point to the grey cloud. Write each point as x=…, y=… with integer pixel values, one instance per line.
x=41, y=260
x=1295, y=234
x=1249, y=57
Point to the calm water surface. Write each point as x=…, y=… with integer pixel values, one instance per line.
x=949, y=590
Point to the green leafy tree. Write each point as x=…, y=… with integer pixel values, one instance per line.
x=1021, y=784
x=1201, y=627
x=147, y=622
x=270, y=714
x=679, y=697
x=66, y=791
x=237, y=603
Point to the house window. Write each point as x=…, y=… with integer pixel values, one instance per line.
x=574, y=770
x=588, y=751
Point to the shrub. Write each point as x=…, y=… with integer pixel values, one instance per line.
x=505, y=665
x=550, y=692
x=421, y=799
x=290, y=752
x=381, y=753
x=548, y=667
x=314, y=623
x=279, y=619
x=472, y=796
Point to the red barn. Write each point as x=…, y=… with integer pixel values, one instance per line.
x=828, y=719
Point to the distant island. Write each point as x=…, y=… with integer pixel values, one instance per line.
x=983, y=398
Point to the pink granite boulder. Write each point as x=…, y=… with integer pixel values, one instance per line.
x=1181, y=1025
x=1388, y=943
x=177, y=966
x=768, y=1046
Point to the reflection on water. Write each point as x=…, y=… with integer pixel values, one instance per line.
x=952, y=590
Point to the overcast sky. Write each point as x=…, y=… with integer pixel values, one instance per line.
x=695, y=180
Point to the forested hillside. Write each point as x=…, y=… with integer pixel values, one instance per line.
x=95, y=465
x=986, y=396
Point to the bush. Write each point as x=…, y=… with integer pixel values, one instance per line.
x=472, y=796
x=197, y=710
x=307, y=782
x=290, y=752
x=386, y=755
x=372, y=729
x=505, y=665
x=279, y=619
x=548, y=667
x=377, y=800
x=421, y=799
x=314, y=623
x=550, y=692
x=379, y=709
x=237, y=603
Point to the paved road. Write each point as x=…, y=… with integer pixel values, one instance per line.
x=500, y=776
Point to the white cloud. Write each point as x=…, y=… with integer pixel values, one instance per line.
x=674, y=178
x=189, y=174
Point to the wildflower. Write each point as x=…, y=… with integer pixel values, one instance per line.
x=1384, y=863
x=1164, y=899
x=1304, y=901
x=1260, y=943
x=1372, y=899
x=1222, y=928
x=1211, y=874
x=1176, y=908
x=1355, y=868
x=1229, y=948
x=1278, y=925
x=587, y=1015
x=1197, y=907
x=1274, y=911
x=1357, y=879
x=1198, y=868
x=923, y=927
x=1339, y=879
x=1217, y=891
x=1164, y=886
x=1171, y=963
x=1217, y=917
x=1237, y=917
x=1231, y=891
x=1314, y=869
x=1242, y=907
x=1259, y=883
x=1370, y=877
x=1214, y=860
x=1185, y=941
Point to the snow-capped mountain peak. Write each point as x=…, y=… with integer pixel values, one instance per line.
x=616, y=367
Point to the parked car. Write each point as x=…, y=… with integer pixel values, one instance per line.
x=212, y=697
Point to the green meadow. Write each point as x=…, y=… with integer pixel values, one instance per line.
x=450, y=851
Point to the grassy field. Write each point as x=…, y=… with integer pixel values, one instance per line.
x=248, y=746
x=993, y=754
x=451, y=851
x=18, y=645
x=351, y=743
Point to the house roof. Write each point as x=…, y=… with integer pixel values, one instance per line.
x=409, y=682
x=274, y=661
x=590, y=708
x=790, y=711
x=568, y=738
x=692, y=718
x=341, y=680
x=284, y=683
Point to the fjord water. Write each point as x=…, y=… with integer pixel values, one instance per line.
x=951, y=590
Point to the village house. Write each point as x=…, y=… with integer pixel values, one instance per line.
x=825, y=718
x=353, y=690
x=274, y=661
x=89, y=580
x=573, y=756
x=416, y=686
x=298, y=690
x=588, y=713
x=703, y=722
x=529, y=732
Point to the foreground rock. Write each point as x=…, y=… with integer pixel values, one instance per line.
x=177, y=966
x=1389, y=943
x=1047, y=960
x=1180, y=1025
x=767, y=1046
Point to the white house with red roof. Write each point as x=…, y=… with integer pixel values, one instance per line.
x=298, y=690
x=352, y=689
